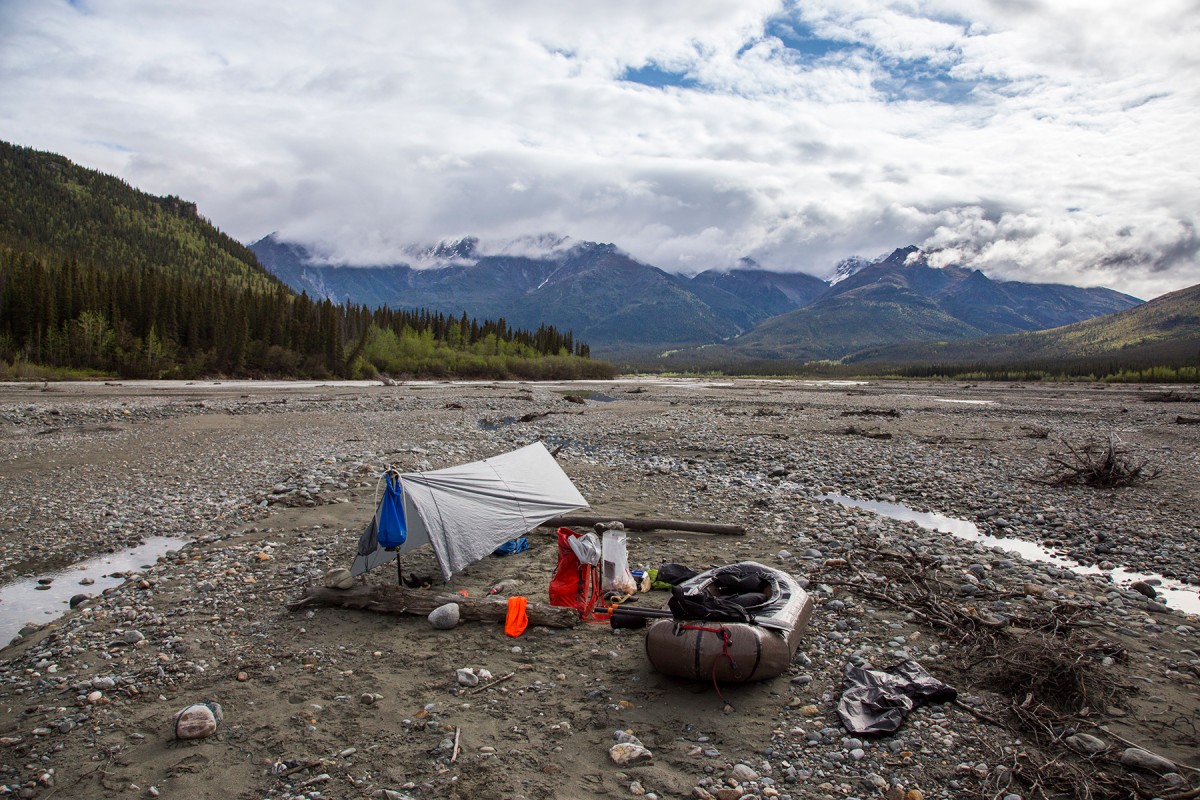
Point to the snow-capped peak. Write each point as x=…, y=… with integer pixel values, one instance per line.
x=848, y=266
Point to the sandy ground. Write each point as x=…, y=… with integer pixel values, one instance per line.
x=338, y=703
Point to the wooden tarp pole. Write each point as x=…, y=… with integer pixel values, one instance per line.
x=645, y=524
x=402, y=600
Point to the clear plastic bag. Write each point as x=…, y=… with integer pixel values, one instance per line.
x=615, y=575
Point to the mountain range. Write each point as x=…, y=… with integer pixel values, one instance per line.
x=629, y=309
x=1163, y=331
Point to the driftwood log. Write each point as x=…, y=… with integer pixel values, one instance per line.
x=386, y=599
x=645, y=524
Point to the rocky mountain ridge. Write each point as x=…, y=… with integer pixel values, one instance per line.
x=626, y=307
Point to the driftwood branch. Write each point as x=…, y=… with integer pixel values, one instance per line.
x=385, y=599
x=481, y=687
x=645, y=524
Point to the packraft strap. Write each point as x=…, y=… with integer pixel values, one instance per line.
x=724, y=652
x=590, y=592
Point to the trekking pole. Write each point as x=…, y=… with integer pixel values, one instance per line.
x=636, y=617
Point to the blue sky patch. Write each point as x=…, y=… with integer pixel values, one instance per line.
x=918, y=80
x=657, y=77
x=801, y=40
x=901, y=79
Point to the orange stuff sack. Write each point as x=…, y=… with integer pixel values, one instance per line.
x=517, y=620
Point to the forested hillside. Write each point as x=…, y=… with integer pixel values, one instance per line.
x=97, y=276
x=51, y=208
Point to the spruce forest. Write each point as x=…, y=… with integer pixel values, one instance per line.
x=99, y=278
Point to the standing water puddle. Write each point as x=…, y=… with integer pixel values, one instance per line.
x=1172, y=593
x=22, y=602
x=950, y=400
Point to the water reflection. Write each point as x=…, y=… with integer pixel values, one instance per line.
x=1172, y=593
x=23, y=602
x=951, y=400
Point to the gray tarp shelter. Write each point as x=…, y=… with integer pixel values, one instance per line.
x=466, y=512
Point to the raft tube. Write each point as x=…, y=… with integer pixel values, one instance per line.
x=734, y=652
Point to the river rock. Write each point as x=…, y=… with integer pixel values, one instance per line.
x=444, y=617
x=1137, y=758
x=627, y=754
x=197, y=721
x=339, y=578
x=1087, y=743
x=743, y=773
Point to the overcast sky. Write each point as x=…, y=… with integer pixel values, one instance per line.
x=1042, y=140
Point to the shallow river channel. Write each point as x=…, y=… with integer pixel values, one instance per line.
x=44, y=598
x=1170, y=592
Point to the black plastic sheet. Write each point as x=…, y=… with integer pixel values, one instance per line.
x=875, y=702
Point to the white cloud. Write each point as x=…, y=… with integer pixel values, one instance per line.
x=1035, y=140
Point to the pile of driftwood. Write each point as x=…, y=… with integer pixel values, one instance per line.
x=1101, y=465
x=1046, y=667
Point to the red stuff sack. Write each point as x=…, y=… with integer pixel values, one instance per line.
x=575, y=584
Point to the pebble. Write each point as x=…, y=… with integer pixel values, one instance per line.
x=628, y=750
x=743, y=773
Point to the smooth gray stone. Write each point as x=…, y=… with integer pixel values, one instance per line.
x=1137, y=758
x=444, y=617
x=1088, y=743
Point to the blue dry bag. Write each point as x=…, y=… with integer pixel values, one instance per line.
x=512, y=547
x=392, y=530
